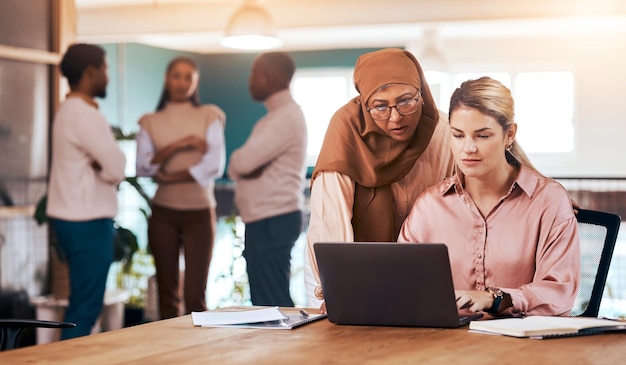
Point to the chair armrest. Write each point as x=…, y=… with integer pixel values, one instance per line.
x=11, y=330
x=24, y=323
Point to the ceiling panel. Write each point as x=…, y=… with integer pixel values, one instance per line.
x=197, y=25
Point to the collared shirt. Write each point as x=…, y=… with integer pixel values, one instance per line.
x=528, y=244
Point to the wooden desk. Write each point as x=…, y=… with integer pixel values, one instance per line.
x=176, y=341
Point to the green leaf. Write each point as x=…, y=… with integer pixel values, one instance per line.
x=132, y=180
x=40, y=211
x=125, y=243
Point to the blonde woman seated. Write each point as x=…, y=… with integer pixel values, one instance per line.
x=511, y=233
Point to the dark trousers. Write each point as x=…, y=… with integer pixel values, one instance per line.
x=194, y=231
x=268, y=245
x=88, y=249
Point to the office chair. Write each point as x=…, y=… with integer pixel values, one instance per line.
x=11, y=330
x=598, y=234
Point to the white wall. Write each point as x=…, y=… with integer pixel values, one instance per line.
x=598, y=62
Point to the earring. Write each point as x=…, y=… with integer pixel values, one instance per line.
x=508, y=148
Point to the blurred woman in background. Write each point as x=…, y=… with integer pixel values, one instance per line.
x=182, y=146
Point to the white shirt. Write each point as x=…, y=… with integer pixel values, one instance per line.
x=204, y=173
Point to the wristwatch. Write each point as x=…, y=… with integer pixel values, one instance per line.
x=498, y=294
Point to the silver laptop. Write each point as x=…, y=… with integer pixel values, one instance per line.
x=389, y=284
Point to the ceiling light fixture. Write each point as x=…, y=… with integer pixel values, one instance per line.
x=432, y=58
x=251, y=28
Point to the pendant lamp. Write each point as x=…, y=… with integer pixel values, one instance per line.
x=251, y=27
x=432, y=58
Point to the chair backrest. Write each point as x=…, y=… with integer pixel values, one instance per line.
x=598, y=234
x=11, y=330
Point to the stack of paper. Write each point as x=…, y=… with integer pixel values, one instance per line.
x=211, y=318
x=266, y=317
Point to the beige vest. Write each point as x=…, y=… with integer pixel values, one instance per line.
x=174, y=122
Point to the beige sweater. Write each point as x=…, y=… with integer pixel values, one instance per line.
x=176, y=121
x=269, y=169
x=80, y=136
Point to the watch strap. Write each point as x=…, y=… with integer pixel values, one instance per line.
x=497, y=299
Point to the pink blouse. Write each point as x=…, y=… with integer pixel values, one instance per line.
x=528, y=245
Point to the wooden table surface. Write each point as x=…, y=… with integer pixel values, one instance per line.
x=176, y=341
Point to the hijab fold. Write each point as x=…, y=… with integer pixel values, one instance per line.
x=355, y=146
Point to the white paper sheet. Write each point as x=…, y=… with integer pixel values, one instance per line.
x=212, y=318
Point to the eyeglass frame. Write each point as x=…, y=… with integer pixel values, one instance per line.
x=419, y=96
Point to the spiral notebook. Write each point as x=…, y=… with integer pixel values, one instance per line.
x=255, y=317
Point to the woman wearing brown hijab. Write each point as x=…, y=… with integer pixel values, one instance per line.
x=381, y=150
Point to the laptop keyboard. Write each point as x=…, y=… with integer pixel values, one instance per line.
x=467, y=318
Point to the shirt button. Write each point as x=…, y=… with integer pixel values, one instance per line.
x=480, y=256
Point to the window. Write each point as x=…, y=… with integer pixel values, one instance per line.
x=320, y=92
x=544, y=107
x=544, y=104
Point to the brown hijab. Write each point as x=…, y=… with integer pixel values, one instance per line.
x=356, y=147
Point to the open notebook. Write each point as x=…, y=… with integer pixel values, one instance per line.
x=548, y=327
x=388, y=284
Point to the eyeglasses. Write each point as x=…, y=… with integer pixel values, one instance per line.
x=405, y=107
